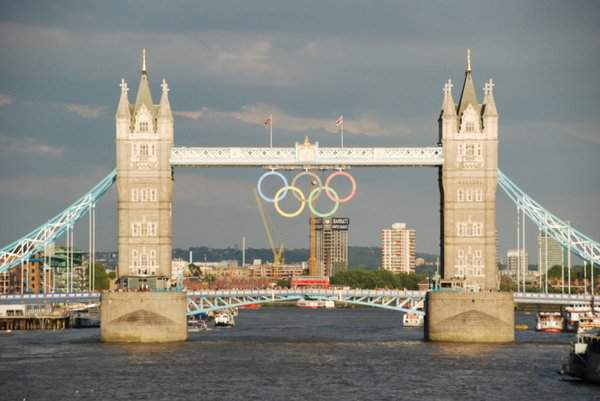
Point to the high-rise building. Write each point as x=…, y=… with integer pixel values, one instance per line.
x=398, y=248
x=513, y=258
x=331, y=235
x=549, y=251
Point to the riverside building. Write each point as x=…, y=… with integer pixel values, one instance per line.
x=398, y=248
x=331, y=245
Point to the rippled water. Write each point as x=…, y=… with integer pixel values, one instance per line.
x=288, y=354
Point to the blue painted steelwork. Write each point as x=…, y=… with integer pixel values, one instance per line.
x=561, y=231
x=397, y=300
x=199, y=301
x=22, y=249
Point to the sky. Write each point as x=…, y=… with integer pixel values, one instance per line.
x=229, y=64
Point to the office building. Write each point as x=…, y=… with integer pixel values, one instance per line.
x=331, y=245
x=550, y=252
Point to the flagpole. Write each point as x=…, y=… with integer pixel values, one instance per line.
x=271, y=131
x=342, y=133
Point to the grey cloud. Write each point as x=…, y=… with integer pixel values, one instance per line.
x=86, y=111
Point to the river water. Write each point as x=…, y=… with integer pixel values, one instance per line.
x=289, y=354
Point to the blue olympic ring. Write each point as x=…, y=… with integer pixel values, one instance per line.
x=281, y=195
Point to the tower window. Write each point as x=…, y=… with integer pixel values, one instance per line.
x=470, y=126
x=143, y=126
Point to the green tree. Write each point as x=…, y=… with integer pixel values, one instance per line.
x=370, y=279
x=101, y=278
x=284, y=283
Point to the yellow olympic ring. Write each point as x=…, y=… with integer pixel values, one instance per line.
x=295, y=190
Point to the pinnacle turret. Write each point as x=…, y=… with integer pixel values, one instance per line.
x=448, y=106
x=489, y=103
x=164, y=109
x=123, y=107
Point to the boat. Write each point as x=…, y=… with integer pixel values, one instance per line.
x=549, y=322
x=251, y=306
x=198, y=325
x=224, y=319
x=413, y=320
x=584, y=357
x=574, y=313
x=315, y=304
x=588, y=323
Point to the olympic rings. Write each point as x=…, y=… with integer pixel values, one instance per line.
x=285, y=187
x=310, y=174
x=295, y=191
x=348, y=197
x=328, y=190
x=314, y=194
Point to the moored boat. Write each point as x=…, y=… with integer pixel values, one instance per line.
x=413, y=320
x=574, y=313
x=549, y=322
x=251, y=306
x=315, y=304
x=224, y=319
x=588, y=324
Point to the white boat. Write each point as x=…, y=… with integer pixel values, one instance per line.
x=315, y=304
x=549, y=322
x=413, y=320
x=574, y=313
x=224, y=319
x=588, y=323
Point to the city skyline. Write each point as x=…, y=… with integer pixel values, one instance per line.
x=225, y=81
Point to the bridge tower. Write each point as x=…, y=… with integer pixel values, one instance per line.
x=469, y=136
x=144, y=137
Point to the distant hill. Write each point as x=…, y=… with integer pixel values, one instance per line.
x=359, y=256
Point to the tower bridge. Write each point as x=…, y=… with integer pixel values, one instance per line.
x=465, y=156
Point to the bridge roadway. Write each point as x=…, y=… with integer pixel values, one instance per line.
x=212, y=300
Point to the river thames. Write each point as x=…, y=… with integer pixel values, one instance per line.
x=289, y=354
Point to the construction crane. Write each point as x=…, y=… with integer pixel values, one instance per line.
x=278, y=253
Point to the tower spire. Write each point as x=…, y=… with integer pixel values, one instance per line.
x=143, y=94
x=144, y=60
x=469, y=59
x=468, y=94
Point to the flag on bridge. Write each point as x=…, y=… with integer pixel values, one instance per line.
x=340, y=121
x=269, y=121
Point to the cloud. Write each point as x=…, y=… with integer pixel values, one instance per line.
x=29, y=146
x=368, y=124
x=86, y=111
x=5, y=99
x=192, y=115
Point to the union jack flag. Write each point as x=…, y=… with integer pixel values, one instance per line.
x=340, y=121
x=269, y=120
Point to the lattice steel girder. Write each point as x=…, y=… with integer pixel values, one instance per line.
x=22, y=249
x=561, y=231
x=305, y=156
x=398, y=300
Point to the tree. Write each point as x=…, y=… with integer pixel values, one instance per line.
x=283, y=283
x=370, y=279
x=101, y=278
